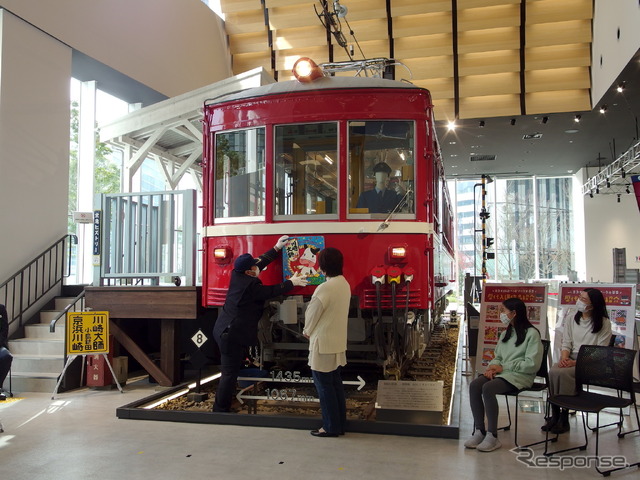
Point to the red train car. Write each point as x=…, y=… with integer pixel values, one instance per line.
x=304, y=158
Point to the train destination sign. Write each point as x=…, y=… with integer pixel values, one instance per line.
x=87, y=333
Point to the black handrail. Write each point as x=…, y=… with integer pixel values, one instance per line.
x=63, y=313
x=38, y=277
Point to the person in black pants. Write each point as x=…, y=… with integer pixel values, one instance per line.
x=237, y=325
x=5, y=355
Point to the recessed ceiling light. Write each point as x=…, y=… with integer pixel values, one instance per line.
x=569, y=171
x=573, y=130
x=452, y=143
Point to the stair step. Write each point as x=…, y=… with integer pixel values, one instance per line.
x=47, y=315
x=36, y=347
x=28, y=382
x=32, y=365
x=43, y=331
x=62, y=302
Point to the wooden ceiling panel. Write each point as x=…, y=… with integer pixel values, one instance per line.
x=426, y=24
x=444, y=109
x=286, y=58
x=542, y=11
x=558, y=33
x=465, y=4
x=365, y=30
x=402, y=8
x=430, y=67
x=243, y=62
x=489, y=40
x=557, y=79
x=289, y=38
x=289, y=3
x=248, y=43
x=491, y=84
x=559, y=101
x=558, y=56
x=440, y=88
x=236, y=6
x=365, y=10
x=423, y=46
x=490, y=105
x=488, y=18
x=245, y=22
x=371, y=49
x=480, y=63
x=293, y=16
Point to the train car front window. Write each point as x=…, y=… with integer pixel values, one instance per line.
x=240, y=174
x=306, y=169
x=381, y=167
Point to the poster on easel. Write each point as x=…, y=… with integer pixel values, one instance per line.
x=621, y=307
x=534, y=295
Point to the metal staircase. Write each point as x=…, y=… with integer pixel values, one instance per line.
x=30, y=298
x=38, y=357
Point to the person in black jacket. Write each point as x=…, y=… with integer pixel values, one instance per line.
x=237, y=325
x=5, y=356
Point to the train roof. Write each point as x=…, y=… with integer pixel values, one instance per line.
x=323, y=83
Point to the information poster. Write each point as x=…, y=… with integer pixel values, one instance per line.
x=301, y=255
x=534, y=295
x=620, y=300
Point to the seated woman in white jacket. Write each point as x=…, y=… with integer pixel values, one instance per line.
x=325, y=326
x=590, y=326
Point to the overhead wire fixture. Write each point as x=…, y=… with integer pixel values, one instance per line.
x=481, y=123
x=513, y=121
x=545, y=120
x=627, y=190
x=618, y=198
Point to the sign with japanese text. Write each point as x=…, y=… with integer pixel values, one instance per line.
x=87, y=333
x=534, y=295
x=621, y=307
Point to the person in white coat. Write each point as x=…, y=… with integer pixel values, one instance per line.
x=590, y=326
x=325, y=326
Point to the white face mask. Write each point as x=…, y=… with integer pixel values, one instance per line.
x=581, y=306
x=381, y=179
x=504, y=318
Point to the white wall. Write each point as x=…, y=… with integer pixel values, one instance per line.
x=610, y=225
x=34, y=142
x=172, y=46
x=610, y=54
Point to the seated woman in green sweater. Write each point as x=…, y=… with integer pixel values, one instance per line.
x=517, y=359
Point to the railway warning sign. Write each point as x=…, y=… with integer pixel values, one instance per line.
x=87, y=333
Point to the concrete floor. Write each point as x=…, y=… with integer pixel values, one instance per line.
x=77, y=436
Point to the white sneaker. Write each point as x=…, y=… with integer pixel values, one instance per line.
x=489, y=444
x=475, y=440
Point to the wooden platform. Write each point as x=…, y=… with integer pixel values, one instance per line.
x=167, y=305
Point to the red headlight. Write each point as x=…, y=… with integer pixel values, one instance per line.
x=397, y=252
x=306, y=70
x=222, y=255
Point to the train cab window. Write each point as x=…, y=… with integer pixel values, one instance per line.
x=306, y=169
x=381, y=168
x=240, y=174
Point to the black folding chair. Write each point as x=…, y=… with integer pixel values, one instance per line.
x=605, y=367
x=636, y=390
x=543, y=372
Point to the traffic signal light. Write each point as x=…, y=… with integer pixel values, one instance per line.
x=488, y=241
x=484, y=215
x=489, y=255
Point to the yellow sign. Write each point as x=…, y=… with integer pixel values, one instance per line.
x=87, y=332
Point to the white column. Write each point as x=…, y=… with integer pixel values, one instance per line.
x=86, y=174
